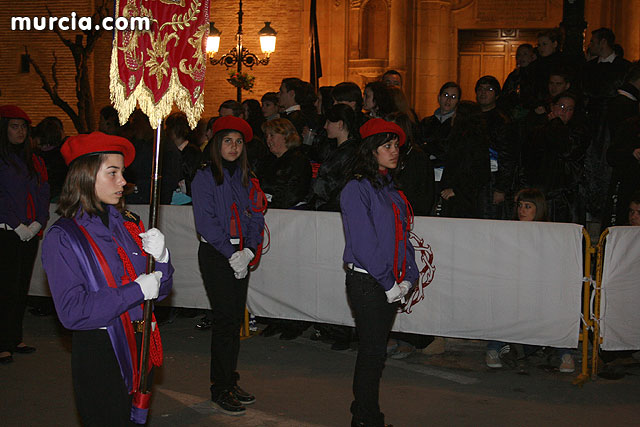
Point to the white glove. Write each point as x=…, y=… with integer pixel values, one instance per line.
x=241, y=274
x=394, y=294
x=153, y=244
x=240, y=260
x=23, y=232
x=35, y=227
x=150, y=284
x=405, y=286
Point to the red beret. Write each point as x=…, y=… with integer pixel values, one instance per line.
x=233, y=123
x=97, y=143
x=13, y=112
x=374, y=126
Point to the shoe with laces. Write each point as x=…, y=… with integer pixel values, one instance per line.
x=493, y=359
x=228, y=404
x=567, y=365
x=242, y=396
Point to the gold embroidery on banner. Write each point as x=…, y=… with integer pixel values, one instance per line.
x=198, y=70
x=157, y=62
x=179, y=22
x=173, y=2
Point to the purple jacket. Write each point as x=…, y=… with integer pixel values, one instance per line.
x=15, y=185
x=212, y=211
x=369, y=229
x=78, y=306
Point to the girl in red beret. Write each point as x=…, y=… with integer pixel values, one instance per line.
x=95, y=258
x=24, y=211
x=230, y=223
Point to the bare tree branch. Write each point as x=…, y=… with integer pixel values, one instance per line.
x=53, y=92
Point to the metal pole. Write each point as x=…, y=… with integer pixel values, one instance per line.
x=239, y=48
x=153, y=221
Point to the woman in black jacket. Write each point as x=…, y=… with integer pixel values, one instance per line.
x=286, y=182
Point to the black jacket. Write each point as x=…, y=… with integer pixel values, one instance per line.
x=287, y=179
x=332, y=177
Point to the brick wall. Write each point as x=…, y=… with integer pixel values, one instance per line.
x=25, y=89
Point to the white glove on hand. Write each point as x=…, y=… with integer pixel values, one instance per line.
x=240, y=260
x=153, y=244
x=35, y=227
x=150, y=284
x=241, y=274
x=405, y=286
x=24, y=232
x=394, y=294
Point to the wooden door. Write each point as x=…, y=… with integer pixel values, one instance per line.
x=489, y=52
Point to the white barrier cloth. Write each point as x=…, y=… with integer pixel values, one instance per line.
x=502, y=280
x=620, y=303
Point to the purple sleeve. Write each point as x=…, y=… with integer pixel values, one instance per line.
x=166, y=283
x=361, y=233
x=79, y=308
x=204, y=213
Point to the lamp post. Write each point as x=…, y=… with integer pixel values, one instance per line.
x=240, y=55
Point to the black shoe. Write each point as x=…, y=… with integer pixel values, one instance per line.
x=270, y=331
x=341, y=345
x=242, y=396
x=290, y=335
x=228, y=404
x=25, y=349
x=5, y=360
x=204, y=324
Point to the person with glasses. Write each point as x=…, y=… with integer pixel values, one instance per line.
x=553, y=158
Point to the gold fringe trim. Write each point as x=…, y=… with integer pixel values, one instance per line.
x=176, y=92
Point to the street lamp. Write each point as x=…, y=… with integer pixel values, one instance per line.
x=240, y=55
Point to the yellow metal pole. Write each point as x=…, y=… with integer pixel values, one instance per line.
x=244, y=331
x=586, y=297
x=596, y=304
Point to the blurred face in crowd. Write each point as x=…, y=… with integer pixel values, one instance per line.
x=110, y=127
x=557, y=85
x=334, y=129
x=269, y=108
x=564, y=109
x=392, y=80
x=387, y=155
x=17, y=131
x=368, y=104
x=286, y=97
x=232, y=146
x=524, y=57
x=109, y=180
x=634, y=213
x=596, y=46
x=486, y=96
x=526, y=211
x=225, y=112
x=546, y=47
x=276, y=143
x=448, y=99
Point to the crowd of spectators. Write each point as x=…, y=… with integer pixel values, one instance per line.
x=570, y=129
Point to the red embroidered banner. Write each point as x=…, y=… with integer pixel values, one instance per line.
x=165, y=64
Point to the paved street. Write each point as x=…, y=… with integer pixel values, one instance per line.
x=305, y=383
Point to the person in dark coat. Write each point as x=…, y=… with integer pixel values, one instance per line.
x=287, y=181
x=436, y=129
x=466, y=168
x=326, y=187
x=553, y=159
x=48, y=137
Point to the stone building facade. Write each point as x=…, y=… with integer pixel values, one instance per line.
x=428, y=41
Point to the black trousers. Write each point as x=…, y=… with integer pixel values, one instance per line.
x=101, y=395
x=374, y=318
x=16, y=265
x=228, y=297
